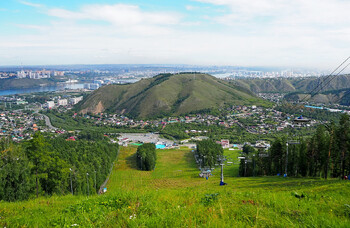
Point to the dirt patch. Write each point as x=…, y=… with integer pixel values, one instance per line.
x=94, y=109
x=99, y=108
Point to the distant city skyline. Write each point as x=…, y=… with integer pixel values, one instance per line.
x=266, y=33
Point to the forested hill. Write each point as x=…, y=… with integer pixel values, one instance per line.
x=293, y=84
x=14, y=83
x=168, y=94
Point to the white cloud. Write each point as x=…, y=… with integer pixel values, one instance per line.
x=119, y=14
x=190, y=8
x=31, y=27
x=301, y=12
x=36, y=5
x=255, y=32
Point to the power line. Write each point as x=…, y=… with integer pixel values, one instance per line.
x=332, y=78
x=329, y=76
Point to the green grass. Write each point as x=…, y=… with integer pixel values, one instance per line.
x=174, y=196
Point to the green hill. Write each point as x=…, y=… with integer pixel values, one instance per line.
x=168, y=94
x=341, y=96
x=284, y=85
x=14, y=83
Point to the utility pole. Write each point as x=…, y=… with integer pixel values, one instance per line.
x=292, y=142
x=285, y=170
x=87, y=182
x=254, y=165
x=331, y=131
x=95, y=180
x=71, y=183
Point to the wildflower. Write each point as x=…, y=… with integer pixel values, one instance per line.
x=133, y=216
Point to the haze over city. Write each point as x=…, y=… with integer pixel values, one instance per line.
x=279, y=33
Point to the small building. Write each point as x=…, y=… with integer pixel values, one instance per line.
x=225, y=143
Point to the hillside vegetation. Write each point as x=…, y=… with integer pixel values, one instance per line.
x=14, y=83
x=286, y=85
x=61, y=165
x=168, y=94
x=174, y=196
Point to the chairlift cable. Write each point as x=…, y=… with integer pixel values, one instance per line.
x=329, y=76
x=332, y=78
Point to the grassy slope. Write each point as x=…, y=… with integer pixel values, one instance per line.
x=173, y=196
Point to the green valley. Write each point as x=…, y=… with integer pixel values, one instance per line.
x=173, y=195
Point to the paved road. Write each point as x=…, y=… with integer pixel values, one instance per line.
x=48, y=122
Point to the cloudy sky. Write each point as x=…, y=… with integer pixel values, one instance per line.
x=283, y=33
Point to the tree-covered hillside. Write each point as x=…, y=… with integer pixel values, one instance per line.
x=62, y=165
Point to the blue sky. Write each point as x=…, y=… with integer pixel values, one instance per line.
x=281, y=33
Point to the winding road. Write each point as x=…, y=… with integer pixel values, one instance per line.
x=48, y=122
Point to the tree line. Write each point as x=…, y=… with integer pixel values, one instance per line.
x=325, y=154
x=146, y=156
x=46, y=166
x=208, y=152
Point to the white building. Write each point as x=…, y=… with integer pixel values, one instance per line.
x=21, y=74
x=50, y=104
x=75, y=100
x=62, y=102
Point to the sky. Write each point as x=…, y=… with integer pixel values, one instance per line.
x=270, y=33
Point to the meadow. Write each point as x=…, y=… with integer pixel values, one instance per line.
x=173, y=195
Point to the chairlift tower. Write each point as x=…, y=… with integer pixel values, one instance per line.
x=87, y=183
x=291, y=142
x=222, y=160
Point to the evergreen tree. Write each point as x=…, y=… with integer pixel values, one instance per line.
x=16, y=182
x=37, y=152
